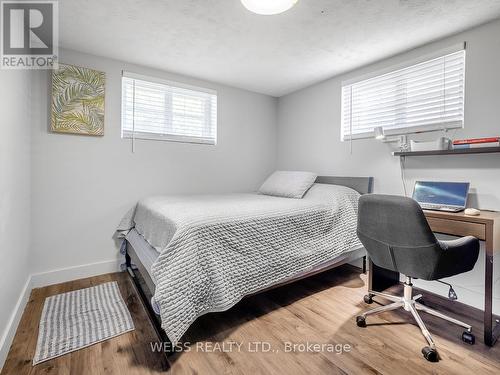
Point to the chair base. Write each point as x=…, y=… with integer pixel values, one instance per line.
x=410, y=304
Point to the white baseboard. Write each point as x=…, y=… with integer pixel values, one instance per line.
x=39, y=280
x=62, y=275
x=15, y=318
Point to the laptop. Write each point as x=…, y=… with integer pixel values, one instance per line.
x=441, y=196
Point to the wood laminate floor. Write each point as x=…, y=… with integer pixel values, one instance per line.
x=268, y=334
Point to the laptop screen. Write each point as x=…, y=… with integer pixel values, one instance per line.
x=443, y=193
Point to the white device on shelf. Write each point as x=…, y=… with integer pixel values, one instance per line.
x=442, y=143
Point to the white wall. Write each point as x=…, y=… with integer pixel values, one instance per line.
x=82, y=185
x=309, y=138
x=14, y=197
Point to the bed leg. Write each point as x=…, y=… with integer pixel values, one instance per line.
x=364, y=264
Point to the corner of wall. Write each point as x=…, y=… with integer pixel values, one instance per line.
x=13, y=323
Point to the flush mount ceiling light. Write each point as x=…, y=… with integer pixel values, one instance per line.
x=268, y=7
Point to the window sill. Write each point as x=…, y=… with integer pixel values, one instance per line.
x=170, y=138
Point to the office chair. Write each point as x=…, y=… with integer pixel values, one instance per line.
x=397, y=237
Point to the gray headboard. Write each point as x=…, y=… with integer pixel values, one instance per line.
x=362, y=185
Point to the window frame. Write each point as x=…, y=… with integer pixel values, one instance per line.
x=345, y=137
x=170, y=137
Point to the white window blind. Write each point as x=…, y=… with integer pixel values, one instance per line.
x=423, y=97
x=156, y=109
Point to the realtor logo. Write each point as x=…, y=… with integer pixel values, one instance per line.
x=29, y=37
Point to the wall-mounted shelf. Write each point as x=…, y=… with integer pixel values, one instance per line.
x=458, y=151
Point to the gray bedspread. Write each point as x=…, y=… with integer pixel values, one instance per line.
x=214, y=250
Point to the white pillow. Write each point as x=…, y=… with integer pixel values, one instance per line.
x=288, y=184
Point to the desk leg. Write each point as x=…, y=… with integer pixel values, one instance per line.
x=380, y=279
x=490, y=334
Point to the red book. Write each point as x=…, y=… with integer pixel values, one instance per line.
x=475, y=140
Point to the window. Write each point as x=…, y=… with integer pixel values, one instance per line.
x=422, y=97
x=156, y=109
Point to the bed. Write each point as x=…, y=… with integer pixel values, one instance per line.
x=192, y=255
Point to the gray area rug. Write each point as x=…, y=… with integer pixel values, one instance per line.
x=75, y=320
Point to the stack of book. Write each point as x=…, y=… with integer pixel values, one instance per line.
x=476, y=142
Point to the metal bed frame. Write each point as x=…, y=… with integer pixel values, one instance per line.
x=145, y=286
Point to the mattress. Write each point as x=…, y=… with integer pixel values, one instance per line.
x=144, y=251
x=214, y=250
x=159, y=218
x=147, y=255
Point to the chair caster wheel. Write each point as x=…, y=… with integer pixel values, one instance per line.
x=361, y=321
x=468, y=338
x=430, y=354
x=368, y=299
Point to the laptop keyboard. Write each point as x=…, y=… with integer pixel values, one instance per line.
x=431, y=206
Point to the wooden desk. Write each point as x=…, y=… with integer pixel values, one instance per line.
x=486, y=227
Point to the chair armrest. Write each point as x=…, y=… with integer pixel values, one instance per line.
x=458, y=256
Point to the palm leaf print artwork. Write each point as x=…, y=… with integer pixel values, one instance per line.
x=77, y=100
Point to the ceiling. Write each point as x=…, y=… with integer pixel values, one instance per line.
x=220, y=41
